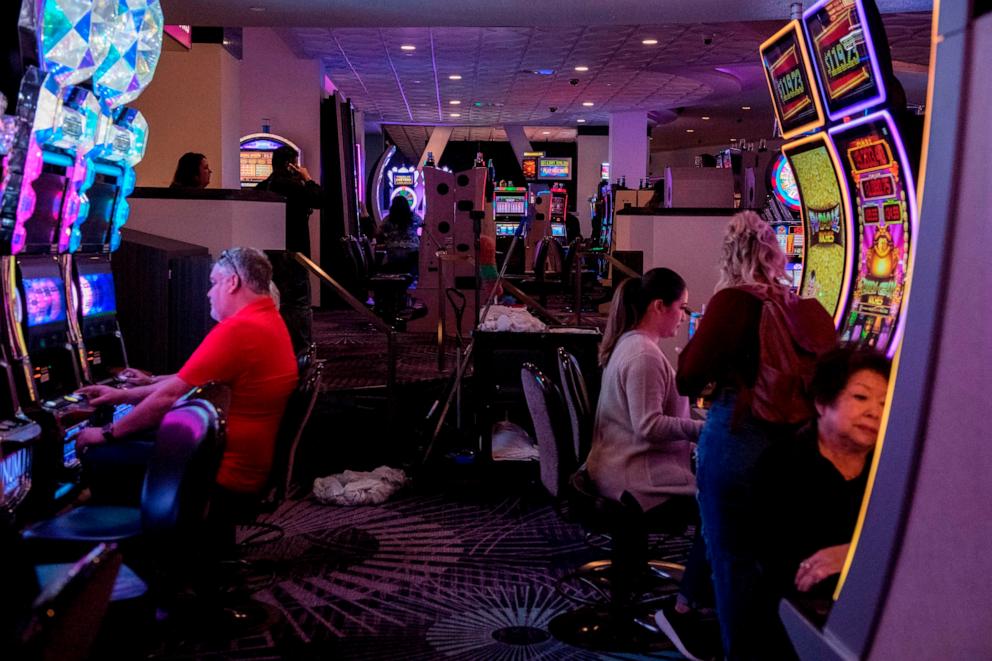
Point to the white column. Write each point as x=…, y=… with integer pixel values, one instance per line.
x=436, y=144
x=629, y=146
x=518, y=140
x=591, y=152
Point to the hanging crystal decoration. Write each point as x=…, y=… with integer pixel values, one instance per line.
x=135, y=36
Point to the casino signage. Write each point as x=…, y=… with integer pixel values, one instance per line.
x=787, y=70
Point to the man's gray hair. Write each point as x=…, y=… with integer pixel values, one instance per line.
x=251, y=265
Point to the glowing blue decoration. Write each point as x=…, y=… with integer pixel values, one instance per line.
x=62, y=31
x=135, y=36
x=127, y=181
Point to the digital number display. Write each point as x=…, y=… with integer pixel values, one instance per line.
x=893, y=213
x=786, y=67
x=878, y=187
x=845, y=59
x=871, y=214
x=870, y=157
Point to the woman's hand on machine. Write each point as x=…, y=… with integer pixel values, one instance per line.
x=87, y=437
x=97, y=395
x=822, y=564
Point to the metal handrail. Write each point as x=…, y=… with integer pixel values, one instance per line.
x=369, y=316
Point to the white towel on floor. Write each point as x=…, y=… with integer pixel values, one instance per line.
x=359, y=488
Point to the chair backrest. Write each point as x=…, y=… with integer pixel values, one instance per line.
x=368, y=253
x=580, y=412
x=298, y=409
x=554, y=442
x=66, y=616
x=548, y=257
x=182, y=468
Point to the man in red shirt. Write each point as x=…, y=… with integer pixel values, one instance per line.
x=249, y=350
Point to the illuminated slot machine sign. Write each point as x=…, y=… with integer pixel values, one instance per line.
x=884, y=197
x=554, y=169
x=824, y=207
x=790, y=81
x=784, y=185
x=844, y=57
x=256, y=156
x=529, y=167
x=510, y=202
x=407, y=182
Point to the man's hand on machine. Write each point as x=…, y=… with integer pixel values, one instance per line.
x=135, y=377
x=97, y=395
x=87, y=437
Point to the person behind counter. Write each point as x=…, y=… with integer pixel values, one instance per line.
x=810, y=489
x=192, y=171
x=726, y=350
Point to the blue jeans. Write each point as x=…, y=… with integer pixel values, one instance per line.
x=726, y=457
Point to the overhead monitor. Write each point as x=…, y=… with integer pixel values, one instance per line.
x=845, y=59
x=557, y=169
x=529, y=167
x=790, y=81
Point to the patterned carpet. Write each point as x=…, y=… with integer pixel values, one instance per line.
x=423, y=577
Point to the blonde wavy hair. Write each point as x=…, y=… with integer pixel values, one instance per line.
x=751, y=253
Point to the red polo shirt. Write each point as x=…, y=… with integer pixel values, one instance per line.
x=251, y=352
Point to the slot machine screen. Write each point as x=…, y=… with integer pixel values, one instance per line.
x=45, y=301
x=97, y=293
x=402, y=180
x=505, y=229
x=514, y=204
x=558, y=229
x=558, y=205
x=788, y=73
x=846, y=60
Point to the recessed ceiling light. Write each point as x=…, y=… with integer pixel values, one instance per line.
x=745, y=107
x=455, y=102
x=705, y=118
x=690, y=130
x=544, y=72
x=408, y=47
x=454, y=76
x=456, y=114
x=649, y=42
x=588, y=104
x=581, y=68
x=581, y=121
x=545, y=132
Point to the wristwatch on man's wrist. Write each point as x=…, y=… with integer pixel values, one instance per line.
x=108, y=433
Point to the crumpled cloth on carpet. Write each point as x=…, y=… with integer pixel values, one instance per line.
x=359, y=488
x=513, y=319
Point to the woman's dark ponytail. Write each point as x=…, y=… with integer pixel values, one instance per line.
x=631, y=300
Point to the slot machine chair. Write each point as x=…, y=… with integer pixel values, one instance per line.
x=280, y=486
x=609, y=592
x=549, y=274
x=174, y=498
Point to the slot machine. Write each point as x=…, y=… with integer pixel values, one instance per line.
x=255, y=156
x=69, y=171
x=557, y=211
x=510, y=211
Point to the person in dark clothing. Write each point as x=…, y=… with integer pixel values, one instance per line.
x=726, y=351
x=573, y=230
x=810, y=490
x=192, y=171
x=303, y=195
x=399, y=235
